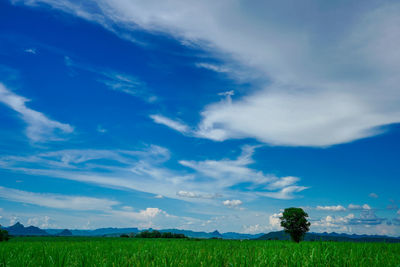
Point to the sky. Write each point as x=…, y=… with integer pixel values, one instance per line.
x=200, y=115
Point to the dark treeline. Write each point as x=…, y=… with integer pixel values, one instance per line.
x=4, y=236
x=154, y=234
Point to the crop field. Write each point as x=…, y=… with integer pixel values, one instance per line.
x=76, y=251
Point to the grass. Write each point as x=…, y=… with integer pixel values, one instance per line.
x=76, y=251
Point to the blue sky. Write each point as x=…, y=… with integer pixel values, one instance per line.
x=200, y=115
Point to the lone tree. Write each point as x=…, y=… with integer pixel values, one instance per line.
x=294, y=221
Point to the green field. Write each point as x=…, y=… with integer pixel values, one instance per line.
x=76, y=251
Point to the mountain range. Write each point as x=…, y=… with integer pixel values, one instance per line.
x=20, y=230
x=281, y=235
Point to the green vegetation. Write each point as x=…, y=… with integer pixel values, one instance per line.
x=294, y=221
x=154, y=234
x=4, y=235
x=79, y=251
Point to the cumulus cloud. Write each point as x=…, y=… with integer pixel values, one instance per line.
x=154, y=218
x=39, y=127
x=331, y=208
x=359, y=207
x=256, y=228
x=366, y=221
x=56, y=201
x=41, y=222
x=333, y=222
x=232, y=203
x=275, y=221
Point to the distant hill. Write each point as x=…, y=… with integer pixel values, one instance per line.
x=19, y=230
x=113, y=232
x=97, y=232
x=281, y=235
x=65, y=232
x=233, y=235
x=215, y=234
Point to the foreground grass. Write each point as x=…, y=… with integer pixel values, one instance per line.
x=161, y=252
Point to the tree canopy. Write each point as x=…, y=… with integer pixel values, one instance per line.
x=295, y=223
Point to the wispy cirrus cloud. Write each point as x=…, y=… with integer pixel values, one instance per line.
x=144, y=170
x=227, y=173
x=104, y=208
x=212, y=67
x=285, y=193
x=56, y=200
x=39, y=127
x=188, y=194
x=31, y=51
x=320, y=105
x=173, y=124
x=116, y=81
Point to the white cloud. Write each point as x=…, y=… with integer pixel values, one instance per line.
x=123, y=169
x=283, y=182
x=366, y=222
x=41, y=222
x=331, y=208
x=13, y=220
x=176, y=125
x=359, y=207
x=212, y=67
x=227, y=173
x=127, y=84
x=144, y=170
x=159, y=196
x=100, y=129
x=40, y=128
x=255, y=229
x=329, y=84
x=30, y=51
x=284, y=193
x=305, y=123
x=232, y=203
x=188, y=194
x=334, y=222
x=116, y=81
x=366, y=207
x=153, y=217
x=55, y=200
x=373, y=195
x=141, y=215
x=275, y=221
